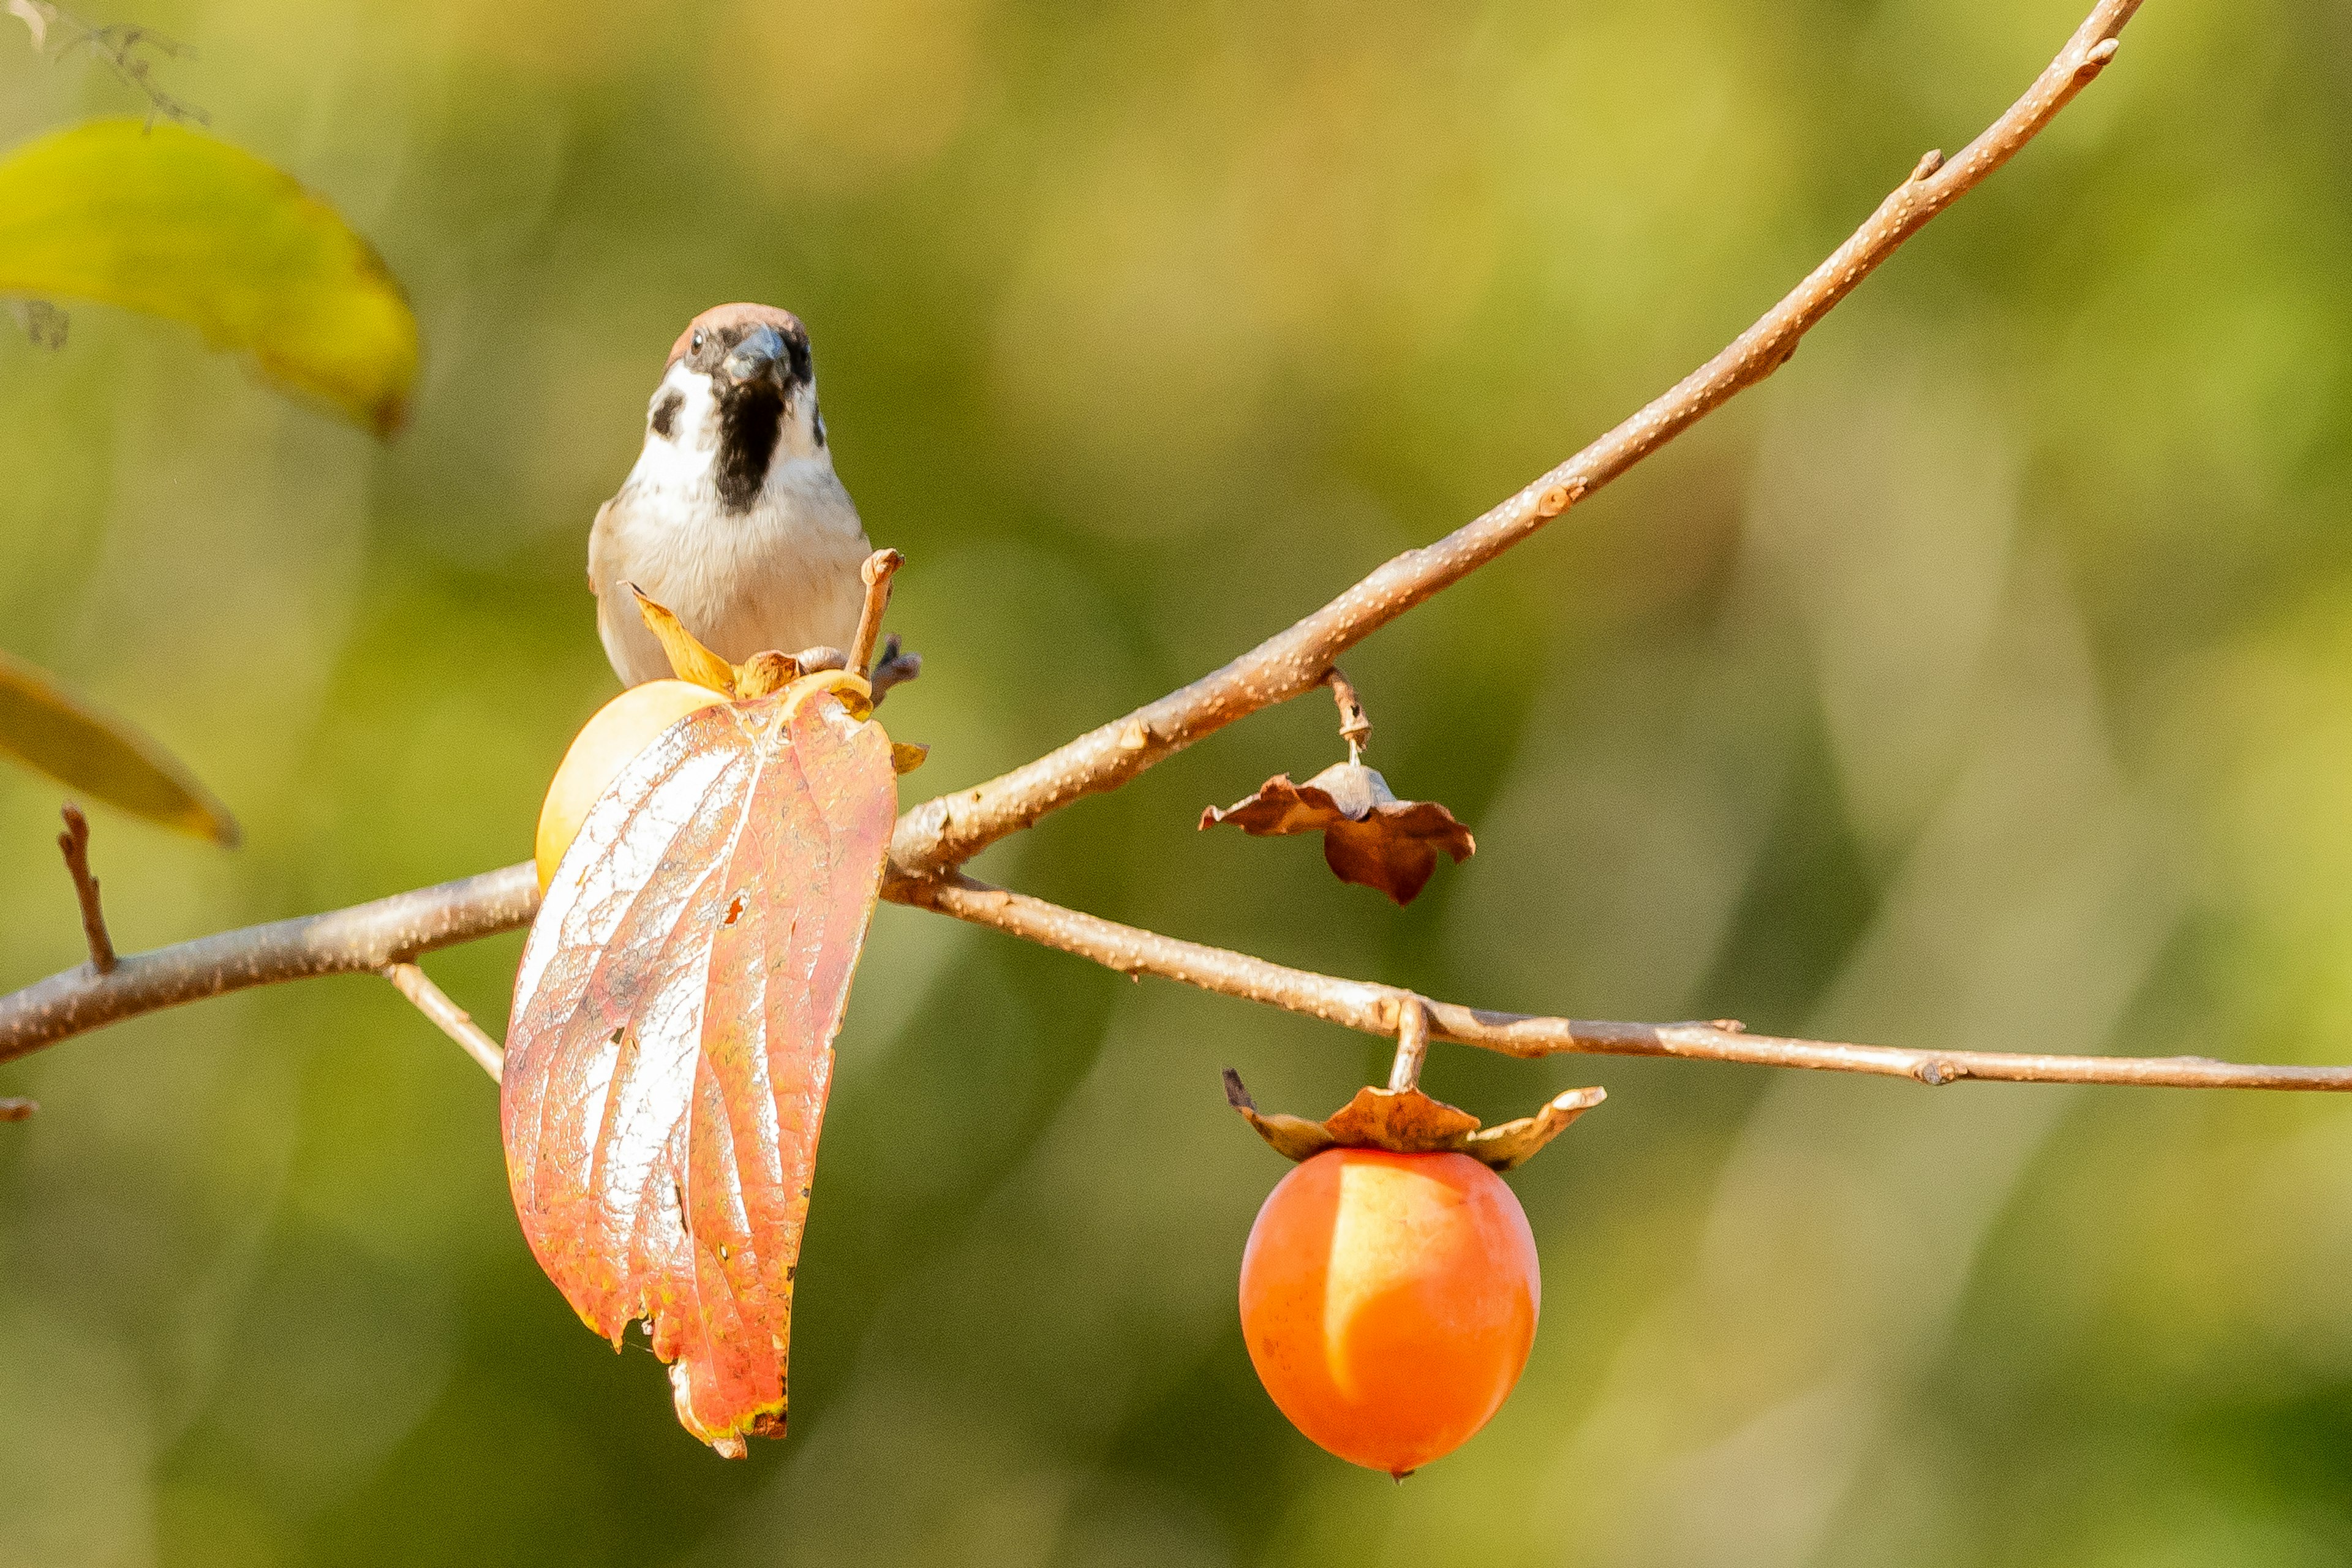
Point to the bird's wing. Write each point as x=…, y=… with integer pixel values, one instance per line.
x=600, y=545
x=635, y=655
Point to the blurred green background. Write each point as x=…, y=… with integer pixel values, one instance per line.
x=1983, y=680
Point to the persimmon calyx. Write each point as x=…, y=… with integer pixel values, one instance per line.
x=765, y=674
x=1407, y=1122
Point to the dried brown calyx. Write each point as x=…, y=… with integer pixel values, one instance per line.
x=1407, y=1122
x=1370, y=837
x=765, y=674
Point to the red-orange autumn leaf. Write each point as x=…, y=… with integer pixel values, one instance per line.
x=672, y=1038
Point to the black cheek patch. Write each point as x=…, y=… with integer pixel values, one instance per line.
x=665, y=414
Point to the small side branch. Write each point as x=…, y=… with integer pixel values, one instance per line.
x=1412, y=1045
x=452, y=1020
x=75, y=844
x=1378, y=1009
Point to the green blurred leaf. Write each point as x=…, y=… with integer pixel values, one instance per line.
x=51, y=730
x=174, y=222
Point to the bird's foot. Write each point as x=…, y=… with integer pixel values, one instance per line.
x=892, y=668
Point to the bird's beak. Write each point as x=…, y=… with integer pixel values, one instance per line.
x=761, y=356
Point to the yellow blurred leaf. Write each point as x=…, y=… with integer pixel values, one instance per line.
x=177, y=224
x=49, y=728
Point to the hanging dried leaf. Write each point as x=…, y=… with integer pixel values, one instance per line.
x=1370, y=837
x=46, y=727
x=1407, y=1122
x=671, y=1048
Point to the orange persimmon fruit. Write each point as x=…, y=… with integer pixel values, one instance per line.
x=1389, y=1301
x=606, y=744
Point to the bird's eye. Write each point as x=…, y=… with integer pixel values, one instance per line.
x=698, y=343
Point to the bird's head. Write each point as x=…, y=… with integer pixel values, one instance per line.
x=736, y=397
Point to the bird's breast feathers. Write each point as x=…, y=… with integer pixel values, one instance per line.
x=782, y=574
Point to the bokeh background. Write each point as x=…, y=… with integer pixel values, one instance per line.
x=1985, y=680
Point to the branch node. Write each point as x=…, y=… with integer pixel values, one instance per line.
x=1929, y=161
x=2096, y=61
x=74, y=842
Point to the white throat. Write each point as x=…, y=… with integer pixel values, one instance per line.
x=683, y=462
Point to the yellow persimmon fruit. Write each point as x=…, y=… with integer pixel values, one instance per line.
x=606, y=744
x=1389, y=1301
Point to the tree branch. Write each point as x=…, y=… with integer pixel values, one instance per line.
x=357, y=941
x=941, y=834
x=944, y=833
x=380, y=936
x=1381, y=1010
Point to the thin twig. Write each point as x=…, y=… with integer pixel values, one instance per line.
x=1413, y=1045
x=13, y=1110
x=453, y=1021
x=361, y=940
x=1355, y=724
x=1377, y=1009
x=75, y=844
x=118, y=45
x=879, y=568
x=950, y=830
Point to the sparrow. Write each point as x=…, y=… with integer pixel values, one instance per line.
x=732, y=516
